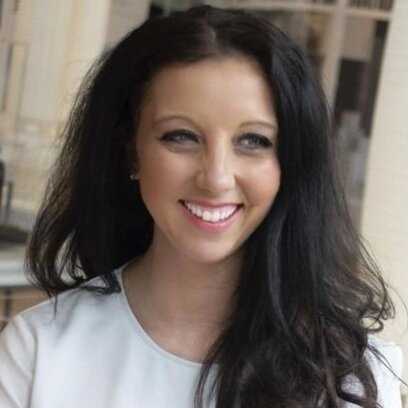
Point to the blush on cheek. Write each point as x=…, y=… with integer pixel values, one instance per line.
x=262, y=183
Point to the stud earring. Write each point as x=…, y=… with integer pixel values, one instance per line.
x=133, y=176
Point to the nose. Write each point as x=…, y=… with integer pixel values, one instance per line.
x=216, y=173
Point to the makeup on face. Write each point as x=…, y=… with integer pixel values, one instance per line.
x=209, y=171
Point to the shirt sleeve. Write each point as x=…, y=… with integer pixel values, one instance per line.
x=17, y=348
x=388, y=382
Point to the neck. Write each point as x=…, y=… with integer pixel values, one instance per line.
x=172, y=291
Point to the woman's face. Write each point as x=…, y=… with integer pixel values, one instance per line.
x=206, y=156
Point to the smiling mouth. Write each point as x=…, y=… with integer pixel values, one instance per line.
x=212, y=215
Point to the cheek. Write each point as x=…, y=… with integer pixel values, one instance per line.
x=262, y=183
x=162, y=173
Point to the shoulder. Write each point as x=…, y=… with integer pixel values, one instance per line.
x=38, y=331
x=381, y=354
x=386, y=362
x=36, y=336
x=55, y=315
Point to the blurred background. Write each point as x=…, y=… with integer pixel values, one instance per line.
x=356, y=46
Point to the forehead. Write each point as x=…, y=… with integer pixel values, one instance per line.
x=234, y=84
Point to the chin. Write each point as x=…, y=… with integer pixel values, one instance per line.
x=211, y=255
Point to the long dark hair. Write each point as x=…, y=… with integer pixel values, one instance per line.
x=309, y=293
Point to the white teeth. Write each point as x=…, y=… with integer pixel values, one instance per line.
x=215, y=216
x=207, y=216
x=211, y=215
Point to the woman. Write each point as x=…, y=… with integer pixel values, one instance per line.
x=196, y=212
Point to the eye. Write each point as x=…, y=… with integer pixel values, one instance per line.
x=255, y=141
x=179, y=136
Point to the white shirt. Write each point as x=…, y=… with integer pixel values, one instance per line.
x=95, y=354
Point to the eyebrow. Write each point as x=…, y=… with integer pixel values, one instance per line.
x=171, y=117
x=271, y=125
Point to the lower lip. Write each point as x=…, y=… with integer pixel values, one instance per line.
x=211, y=226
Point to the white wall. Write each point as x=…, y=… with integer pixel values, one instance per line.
x=124, y=16
x=385, y=206
x=358, y=39
x=54, y=43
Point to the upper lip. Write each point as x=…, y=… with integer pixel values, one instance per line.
x=205, y=203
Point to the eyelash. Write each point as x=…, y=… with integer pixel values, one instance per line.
x=174, y=137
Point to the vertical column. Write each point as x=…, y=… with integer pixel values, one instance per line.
x=86, y=39
x=333, y=49
x=385, y=205
x=58, y=40
x=17, y=54
x=65, y=36
x=49, y=41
